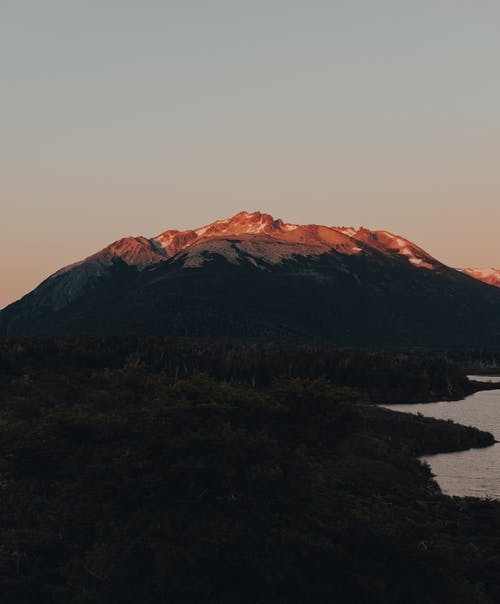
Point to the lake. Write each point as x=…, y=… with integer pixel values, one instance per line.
x=476, y=472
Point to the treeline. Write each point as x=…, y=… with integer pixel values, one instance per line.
x=477, y=360
x=383, y=375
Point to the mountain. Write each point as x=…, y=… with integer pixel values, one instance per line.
x=487, y=275
x=254, y=276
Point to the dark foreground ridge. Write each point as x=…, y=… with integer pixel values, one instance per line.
x=127, y=476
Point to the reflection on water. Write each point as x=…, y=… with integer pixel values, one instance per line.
x=475, y=472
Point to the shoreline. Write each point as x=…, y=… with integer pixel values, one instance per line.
x=476, y=386
x=473, y=386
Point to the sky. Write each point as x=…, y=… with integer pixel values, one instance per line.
x=120, y=117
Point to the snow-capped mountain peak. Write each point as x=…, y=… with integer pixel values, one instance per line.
x=308, y=239
x=254, y=274
x=243, y=223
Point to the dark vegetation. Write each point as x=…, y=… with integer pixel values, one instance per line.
x=397, y=375
x=159, y=471
x=365, y=300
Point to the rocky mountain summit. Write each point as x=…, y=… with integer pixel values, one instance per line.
x=254, y=275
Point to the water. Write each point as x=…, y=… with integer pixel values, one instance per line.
x=476, y=472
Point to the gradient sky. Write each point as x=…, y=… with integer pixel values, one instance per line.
x=121, y=117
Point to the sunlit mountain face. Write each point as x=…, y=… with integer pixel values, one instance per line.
x=256, y=276
x=278, y=240
x=487, y=275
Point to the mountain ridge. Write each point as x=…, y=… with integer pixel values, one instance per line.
x=142, y=252
x=487, y=275
x=254, y=275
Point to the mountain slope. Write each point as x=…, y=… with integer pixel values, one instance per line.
x=254, y=276
x=487, y=275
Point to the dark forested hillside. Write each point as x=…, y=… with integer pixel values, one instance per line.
x=333, y=298
x=128, y=476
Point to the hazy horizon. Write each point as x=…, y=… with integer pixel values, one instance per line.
x=125, y=118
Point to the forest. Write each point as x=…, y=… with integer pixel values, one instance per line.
x=159, y=470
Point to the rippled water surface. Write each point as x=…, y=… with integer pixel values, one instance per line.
x=475, y=472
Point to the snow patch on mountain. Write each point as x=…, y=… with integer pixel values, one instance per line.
x=487, y=275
